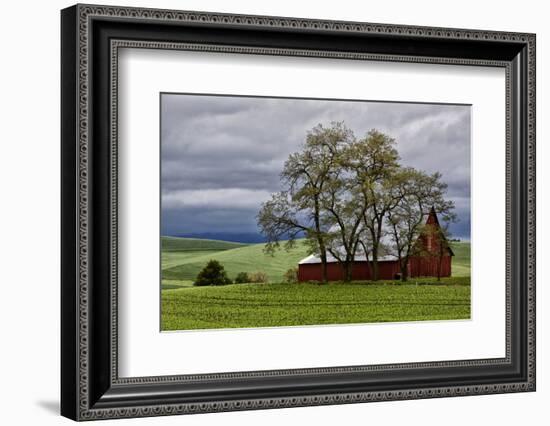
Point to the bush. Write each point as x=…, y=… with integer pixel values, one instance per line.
x=291, y=276
x=242, y=278
x=258, y=277
x=212, y=274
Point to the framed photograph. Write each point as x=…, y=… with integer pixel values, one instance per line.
x=263, y=212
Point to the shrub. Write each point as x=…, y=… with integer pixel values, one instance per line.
x=258, y=277
x=242, y=278
x=291, y=276
x=212, y=274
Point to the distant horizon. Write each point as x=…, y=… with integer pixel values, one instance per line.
x=209, y=235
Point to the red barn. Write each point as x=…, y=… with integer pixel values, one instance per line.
x=426, y=265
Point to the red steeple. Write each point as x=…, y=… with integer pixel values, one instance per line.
x=430, y=240
x=432, y=217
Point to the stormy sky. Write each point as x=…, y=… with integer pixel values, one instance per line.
x=221, y=156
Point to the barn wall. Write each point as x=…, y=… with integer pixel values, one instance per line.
x=361, y=271
x=418, y=267
x=428, y=266
x=387, y=270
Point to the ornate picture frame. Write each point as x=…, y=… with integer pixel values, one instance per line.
x=91, y=37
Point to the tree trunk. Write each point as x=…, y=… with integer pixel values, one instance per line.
x=375, y=245
x=324, y=267
x=320, y=241
x=404, y=270
x=375, y=262
x=323, y=256
x=348, y=270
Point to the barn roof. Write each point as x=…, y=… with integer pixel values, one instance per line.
x=331, y=259
x=383, y=256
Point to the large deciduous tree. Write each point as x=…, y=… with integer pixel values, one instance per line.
x=366, y=166
x=340, y=192
x=297, y=209
x=374, y=161
x=343, y=216
x=420, y=193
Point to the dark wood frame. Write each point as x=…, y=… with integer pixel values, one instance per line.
x=90, y=386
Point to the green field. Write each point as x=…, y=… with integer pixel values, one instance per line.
x=174, y=244
x=183, y=265
x=461, y=260
x=266, y=305
x=270, y=305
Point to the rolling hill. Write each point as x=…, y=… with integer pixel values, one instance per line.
x=185, y=264
x=194, y=244
x=461, y=260
x=183, y=258
x=276, y=304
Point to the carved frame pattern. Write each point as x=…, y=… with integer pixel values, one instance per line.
x=85, y=13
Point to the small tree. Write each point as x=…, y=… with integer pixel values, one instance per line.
x=212, y=274
x=291, y=276
x=258, y=277
x=242, y=278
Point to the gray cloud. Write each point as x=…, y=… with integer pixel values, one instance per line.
x=222, y=155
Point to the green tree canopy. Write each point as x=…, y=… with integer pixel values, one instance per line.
x=342, y=192
x=212, y=274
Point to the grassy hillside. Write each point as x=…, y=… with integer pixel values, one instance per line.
x=269, y=305
x=186, y=264
x=194, y=244
x=461, y=260
x=183, y=258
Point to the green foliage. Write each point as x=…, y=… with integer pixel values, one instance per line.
x=258, y=277
x=338, y=191
x=242, y=278
x=297, y=209
x=291, y=276
x=272, y=305
x=212, y=274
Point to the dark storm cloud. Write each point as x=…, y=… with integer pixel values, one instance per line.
x=221, y=156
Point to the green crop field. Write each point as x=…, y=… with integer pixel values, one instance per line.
x=186, y=307
x=270, y=305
